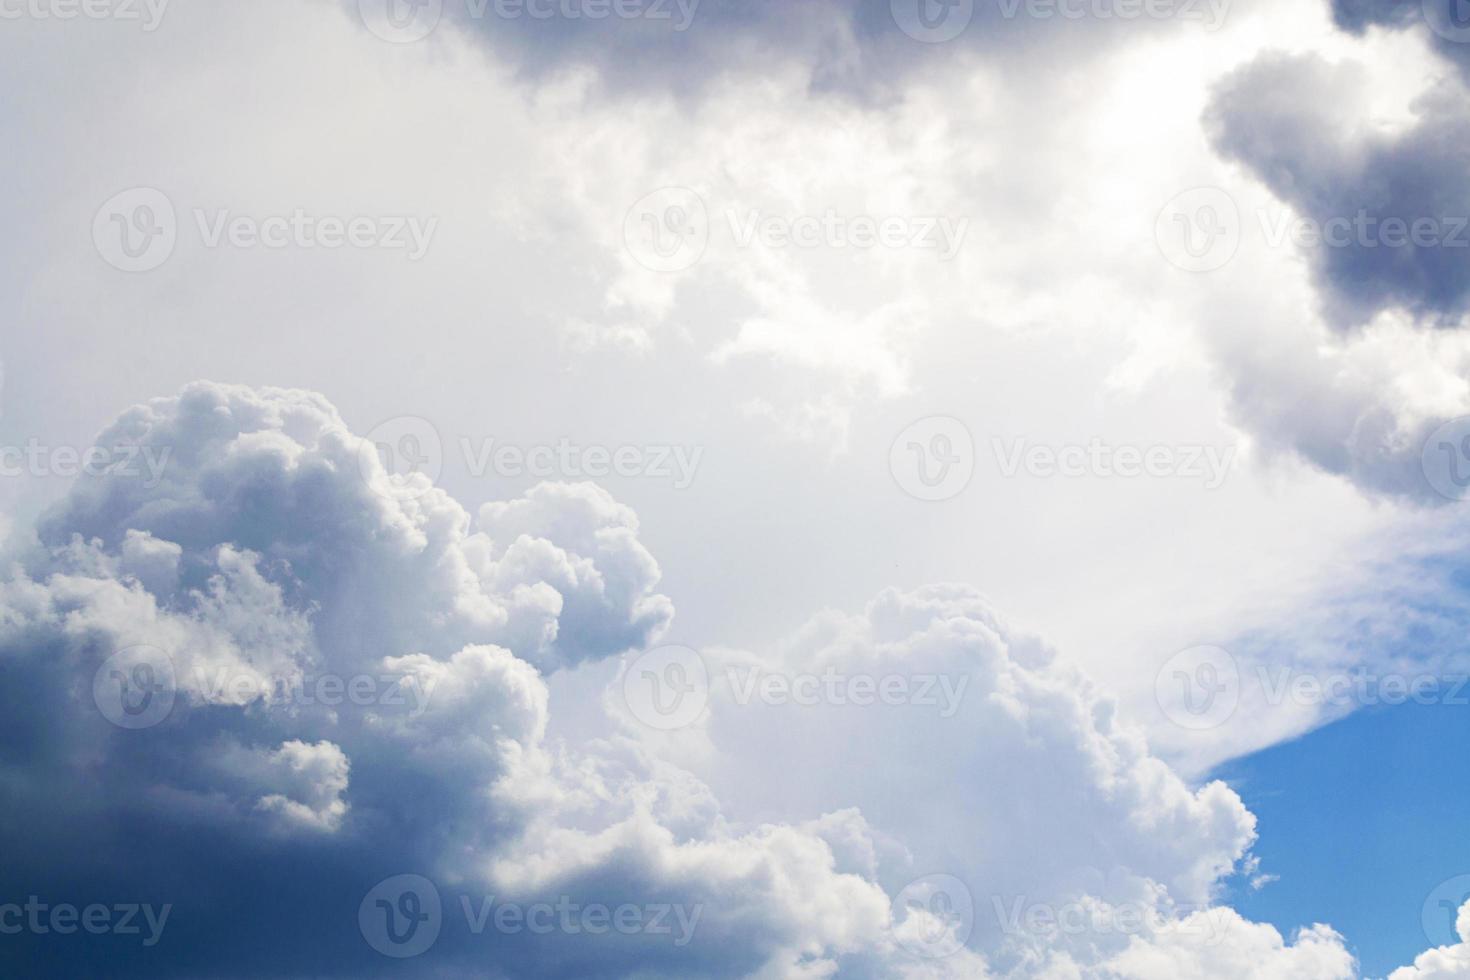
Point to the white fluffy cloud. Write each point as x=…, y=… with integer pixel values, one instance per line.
x=1025, y=747
x=1250, y=950
x=267, y=562
x=1050, y=798
x=268, y=580
x=1444, y=962
x=558, y=576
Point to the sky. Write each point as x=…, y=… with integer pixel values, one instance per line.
x=856, y=488
x=1345, y=855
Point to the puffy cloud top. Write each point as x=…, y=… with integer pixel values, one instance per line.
x=270, y=680
x=1444, y=963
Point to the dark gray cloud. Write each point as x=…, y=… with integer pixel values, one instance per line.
x=1447, y=21
x=1292, y=120
x=682, y=47
x=168, y=741
x=151, y=758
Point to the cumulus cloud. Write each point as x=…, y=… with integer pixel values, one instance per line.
x=1440, y=19
x=1050, y=797
x=834, y=328
x=1299, y=123
x=190, y=673
x=1358, y=380
x=1362, y=405
x=302, y=784
x=1252, y=950
x=857, y=47
x=1444, y=962
x=267, y=653
x=385, y=568
x=274, y=641
x=267, y=560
